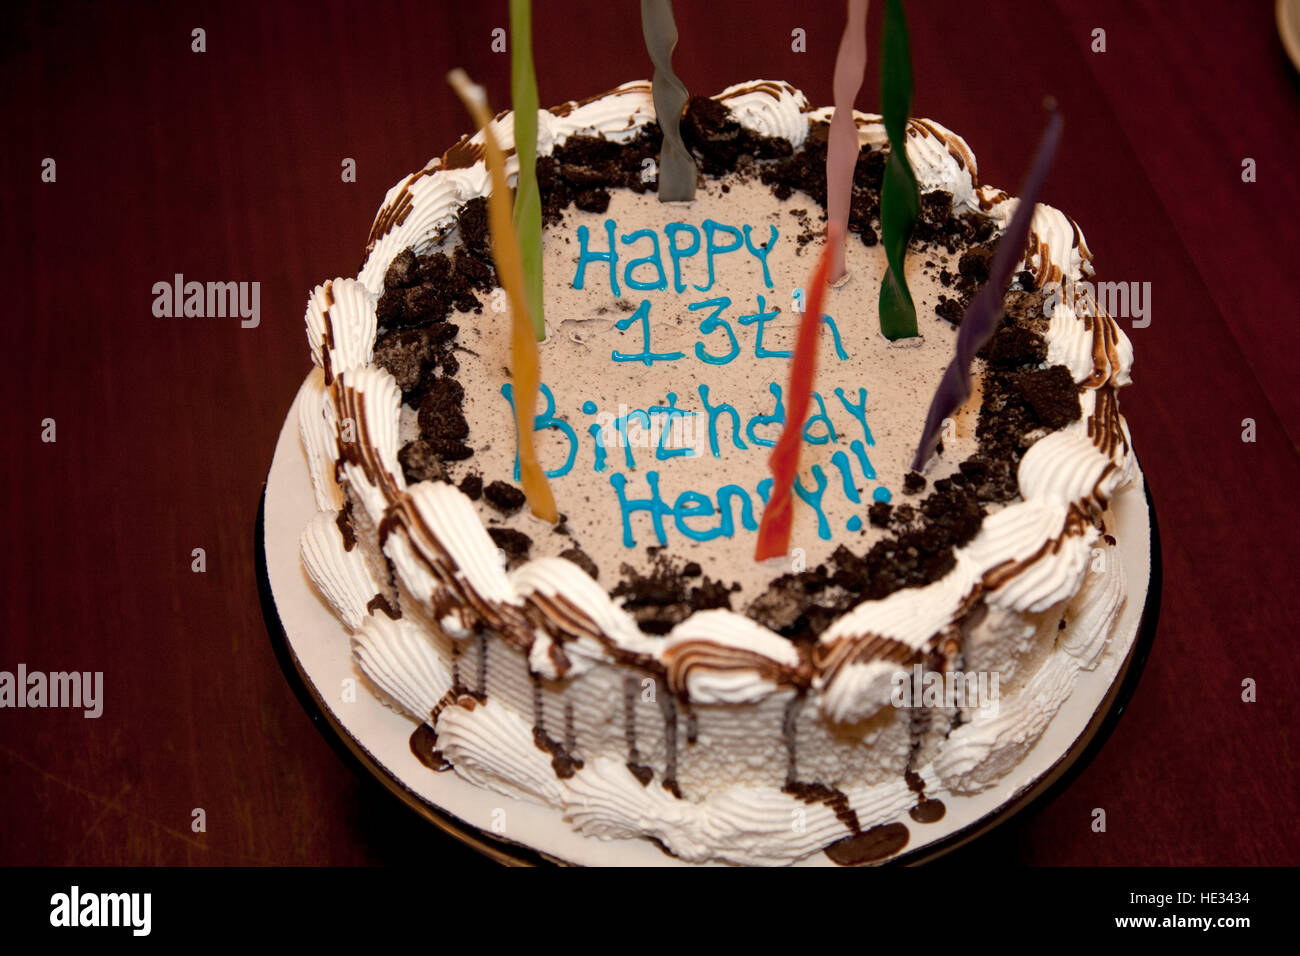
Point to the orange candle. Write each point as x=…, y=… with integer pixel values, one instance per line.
x=510, y=271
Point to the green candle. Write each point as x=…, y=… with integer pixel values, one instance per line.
x=528, y=200
x=900, y=200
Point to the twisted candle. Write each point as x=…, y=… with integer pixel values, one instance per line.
x=528, y=199
x=982, y=316
x=676, y=165
x=842, y=147
x=774, y=530
x=900, y=200
x=523, y=345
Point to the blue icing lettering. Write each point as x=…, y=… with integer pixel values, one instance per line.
x=835, y=337
x=863, y=460
x=589, y=407
x=819, y=418
x=692, y=504
x=542, y=422
x=677, y=254
x=714, y=411
x=711, y=322
x=670, y=412
x=858, y=411
x=761, y=318
x=620, y=428
x=645, y=356
x=882, y=494
x=725, y=494
x=598, y=433
x=776, y=418
x=711, y=229
x=689, y=506
x=629, y=271
x=841, y=461
x=654, y=505
x=855, y=523
x=761, y=252
x=586, y=256
x=813, y=499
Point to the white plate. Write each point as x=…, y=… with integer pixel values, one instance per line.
x=317, y=646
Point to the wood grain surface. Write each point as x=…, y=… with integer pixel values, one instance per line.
x=225, y=165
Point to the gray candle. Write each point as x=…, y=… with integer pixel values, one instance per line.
x=676, y=166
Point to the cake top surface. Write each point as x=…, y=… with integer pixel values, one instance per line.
x=667, y=364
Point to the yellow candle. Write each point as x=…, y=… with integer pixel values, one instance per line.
x=510, y=271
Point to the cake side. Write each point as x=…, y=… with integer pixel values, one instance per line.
x=431, y=560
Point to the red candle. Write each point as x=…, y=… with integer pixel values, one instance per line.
x=774, y=531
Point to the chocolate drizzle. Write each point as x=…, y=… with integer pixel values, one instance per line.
x=570, y=727
x=424, y=745
x=380, y=603
x=634, y=764
x=563, y=763
x=480, y=639
x=424, y=741
x=836, y=799
x=926, y=809
x=869, y=846
x=344, y=521
x=668, y=705
x=788, y=718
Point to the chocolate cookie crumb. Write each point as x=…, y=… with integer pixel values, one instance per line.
x=515, y=544
x=506, y=498
x=450, y=450
x=472, y=486
x=1052, y=394
x=420, y=463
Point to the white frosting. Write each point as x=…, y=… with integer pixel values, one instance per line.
x=1092, y=613
x=617, y=116
x=341, y=576
x=318, y=442
x=435, y=197
x=342, y=313
x=1029, y=558
x=451, y=519
x=769, y=107
x=726, y=629
x=375, y=432
x=398, y=657
x=554, y=576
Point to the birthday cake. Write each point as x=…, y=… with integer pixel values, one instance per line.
x=632, y=665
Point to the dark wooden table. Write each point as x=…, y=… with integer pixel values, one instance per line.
x=225, y=165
